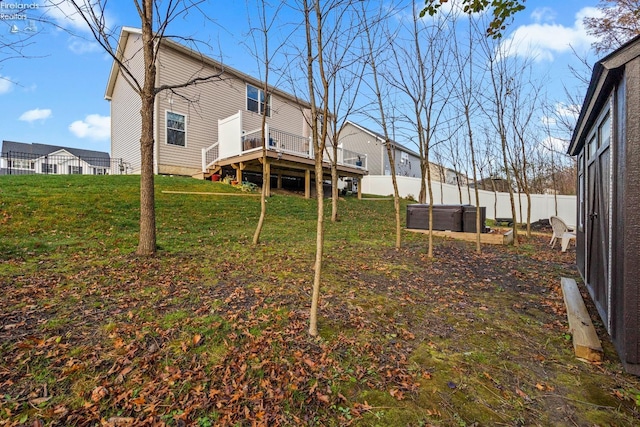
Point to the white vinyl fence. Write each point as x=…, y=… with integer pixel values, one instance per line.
x=497, y=204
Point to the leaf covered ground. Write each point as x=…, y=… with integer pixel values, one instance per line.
x=213, y=331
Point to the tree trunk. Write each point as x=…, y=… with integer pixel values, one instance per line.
x=317, y=266
x=147, y=238
x=422, y=197
x=514, y=227
x=334, y=181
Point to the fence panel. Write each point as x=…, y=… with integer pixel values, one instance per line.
x=17, y=163
x=498, y=204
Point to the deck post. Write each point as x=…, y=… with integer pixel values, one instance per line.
x=307, y=184
x=359, y=188
x=239, y=167
x=279, y=184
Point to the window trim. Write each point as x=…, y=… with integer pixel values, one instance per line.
x=166, y=129
x=261, y=105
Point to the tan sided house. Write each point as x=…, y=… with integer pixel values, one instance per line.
x=357, y=138
x=201, y=129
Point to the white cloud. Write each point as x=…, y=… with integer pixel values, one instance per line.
x=552, y=143
x=5, y=84
x=544, y=39
x=35, y=114
x=549, y=121
x=567, y=110
x=79, y=47
x=543, y=14
x=66, y=15
x=94, y=126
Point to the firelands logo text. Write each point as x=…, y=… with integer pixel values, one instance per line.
x=16, y=12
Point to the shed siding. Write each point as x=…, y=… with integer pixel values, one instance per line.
x=617, y=220
x=631, y=202
x=203, y=105
x=125, y=109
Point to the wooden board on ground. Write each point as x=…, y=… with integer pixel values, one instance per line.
x=490, y=238
x=212, y=194
x=586, y=343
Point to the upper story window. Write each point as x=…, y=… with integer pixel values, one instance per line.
x=257, y=101
x=176, y=129
x=404, y=157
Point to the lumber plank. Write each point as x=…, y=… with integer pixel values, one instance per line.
x=586, y=343
x=490, y=238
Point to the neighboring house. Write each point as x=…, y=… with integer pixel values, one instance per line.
x=500, y=185
x=359, y=139
x=211, y=126
x=19, y=158
x=606, y=142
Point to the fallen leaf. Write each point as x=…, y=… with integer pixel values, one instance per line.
x=120, y=421
x=98, y=394
x=322, y=397
x=196, y=339
x=522, y=394
x=37, y=401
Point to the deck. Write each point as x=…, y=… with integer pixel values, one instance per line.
x=287, y=155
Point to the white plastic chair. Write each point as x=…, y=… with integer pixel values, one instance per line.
x=562, y=232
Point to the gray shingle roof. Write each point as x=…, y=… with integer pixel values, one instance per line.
x=37, y=150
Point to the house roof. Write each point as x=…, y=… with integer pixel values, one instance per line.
x=381, y=138
x=38, y=150
x=606, y=73
x=128, y=31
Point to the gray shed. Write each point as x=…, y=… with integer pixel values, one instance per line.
x=606, y=141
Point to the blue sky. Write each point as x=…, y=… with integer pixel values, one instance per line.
x=56, y=95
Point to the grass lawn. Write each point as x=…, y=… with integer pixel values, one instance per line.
x=213, y=331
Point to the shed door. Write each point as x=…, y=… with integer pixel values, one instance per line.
x=598, y=190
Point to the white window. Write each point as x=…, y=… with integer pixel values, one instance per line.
x=49, y=168
x=257, y=101
x=176, y=129
x=75, y=170
x=21, y=164
x=404, y=158
x=99, y=171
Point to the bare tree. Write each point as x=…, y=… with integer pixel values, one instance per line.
x=319, y=129
x=372, y=51
x=265, y=57
x=620, y=21
x=344, y=65
x=466, y=95
x=419, y=73
x=523, y=98
x=500, y=74
x=155, y=18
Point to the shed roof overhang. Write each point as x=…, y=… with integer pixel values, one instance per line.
x=606, y=73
